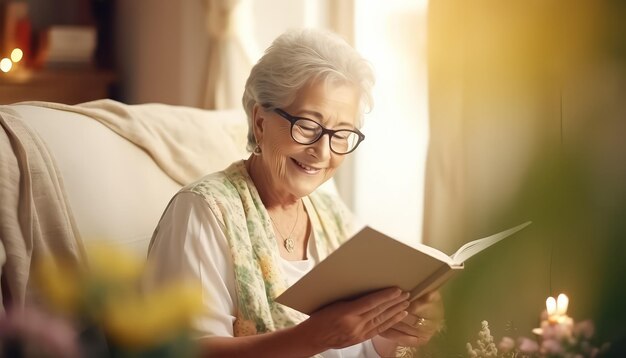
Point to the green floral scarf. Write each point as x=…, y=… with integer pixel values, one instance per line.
x=233, y=198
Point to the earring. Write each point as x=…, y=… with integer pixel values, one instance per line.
x=257, y=150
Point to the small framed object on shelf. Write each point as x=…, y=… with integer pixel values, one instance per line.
x=59, y=68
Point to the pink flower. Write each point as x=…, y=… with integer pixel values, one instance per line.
x=527, y=346
x=584, y=329
x=50, y=333
x=551, y=346
x=506, y=345
x=561, y=330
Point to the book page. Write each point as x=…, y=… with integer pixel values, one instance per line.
x=371, y=261
x=367, y=262
x=473, y=247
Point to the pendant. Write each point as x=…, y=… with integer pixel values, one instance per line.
x=289, y=245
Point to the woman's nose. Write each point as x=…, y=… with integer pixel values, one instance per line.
x=321, y=148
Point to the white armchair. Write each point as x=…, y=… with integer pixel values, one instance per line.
x=119, y=165
x=115, y=189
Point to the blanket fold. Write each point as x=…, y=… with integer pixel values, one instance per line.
x=35, y=218
x=184, y=142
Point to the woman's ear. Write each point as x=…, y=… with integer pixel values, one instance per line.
x=258, y=117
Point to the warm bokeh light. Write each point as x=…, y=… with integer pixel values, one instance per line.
x=557, y=308
x=561, y=304
x=399, y=120
x=551, y=306
x=17, y=55
x=5, y=65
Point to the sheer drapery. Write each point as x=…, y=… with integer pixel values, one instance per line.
x=341, y=21
x=492, y=101
x=390, y=163
x=231, y=52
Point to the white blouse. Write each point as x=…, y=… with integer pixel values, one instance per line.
x=190, y=243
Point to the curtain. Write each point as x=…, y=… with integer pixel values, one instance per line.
x=389, y=165
x=231, y=52
x=340, y=14
x=520, y=110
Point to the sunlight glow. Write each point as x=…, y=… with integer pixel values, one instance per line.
x=392, y=36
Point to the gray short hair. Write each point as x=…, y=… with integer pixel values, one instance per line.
x=295, y=59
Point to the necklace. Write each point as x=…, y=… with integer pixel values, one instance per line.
x=288, y=241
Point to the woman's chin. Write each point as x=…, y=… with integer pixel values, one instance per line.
x=303, y=188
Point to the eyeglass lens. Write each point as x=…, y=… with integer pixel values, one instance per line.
x=305, y=131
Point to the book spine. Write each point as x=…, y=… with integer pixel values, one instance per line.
x=433, y=282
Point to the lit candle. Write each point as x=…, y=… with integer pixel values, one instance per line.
x=558, y=324
x=561, y=304
x=551, y=306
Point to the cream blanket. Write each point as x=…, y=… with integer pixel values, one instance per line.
x=35, y=219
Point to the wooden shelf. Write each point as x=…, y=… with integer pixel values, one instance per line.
x=68, y=86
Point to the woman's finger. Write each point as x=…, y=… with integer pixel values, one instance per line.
x=403, y=339
x=374, y=301
x=386, y=305
x=386, y=324
x=414, y=320
x=409, y=329
x=429, y=308
x=421, y=323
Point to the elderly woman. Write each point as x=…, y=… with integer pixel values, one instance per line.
x=250, y=231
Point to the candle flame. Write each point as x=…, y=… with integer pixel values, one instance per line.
x=551, y=306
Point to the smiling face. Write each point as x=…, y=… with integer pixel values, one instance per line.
x=292, y=170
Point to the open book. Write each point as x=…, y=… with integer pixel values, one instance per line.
x=370, y=261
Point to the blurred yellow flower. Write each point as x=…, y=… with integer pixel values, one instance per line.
x=109, y=295
x=59, y=283
x=140, y=321
x=111, y=264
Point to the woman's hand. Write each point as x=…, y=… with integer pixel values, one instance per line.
x=424, y=319
x=346, y=323
x=338, y=325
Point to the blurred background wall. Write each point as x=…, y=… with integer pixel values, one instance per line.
x=162, y=46
x=527, y=123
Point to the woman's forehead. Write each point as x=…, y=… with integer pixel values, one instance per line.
x=327, y=101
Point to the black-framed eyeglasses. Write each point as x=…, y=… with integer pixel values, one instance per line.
x=307, y=131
